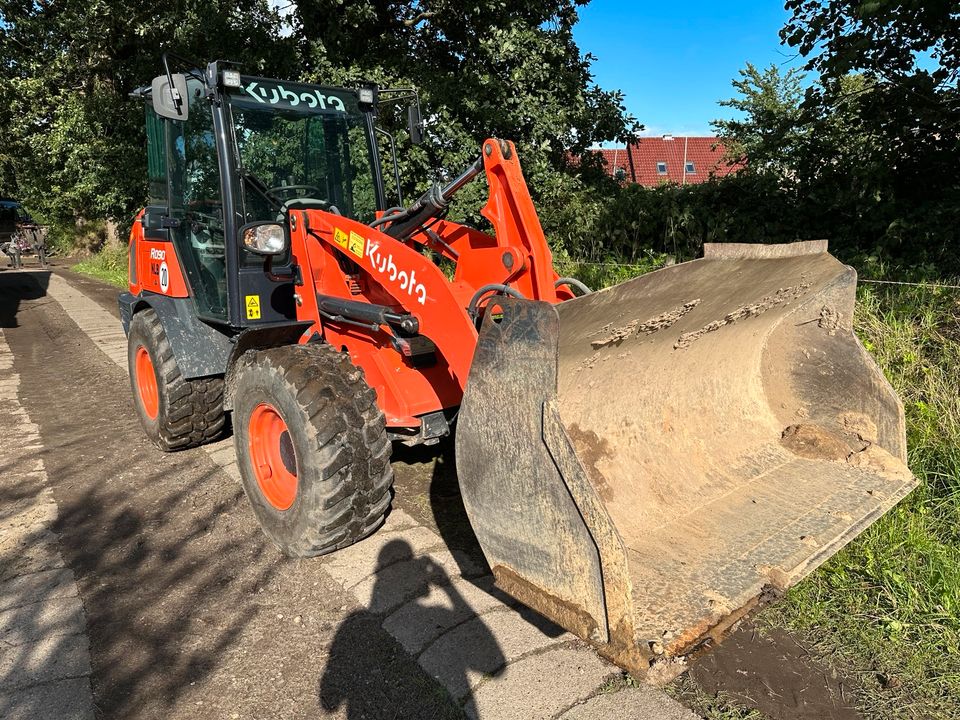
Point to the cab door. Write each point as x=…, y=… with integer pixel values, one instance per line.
x=196, y=205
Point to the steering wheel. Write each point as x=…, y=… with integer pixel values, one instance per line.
x=287, y=188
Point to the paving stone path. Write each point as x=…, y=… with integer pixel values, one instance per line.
x=499, y=660
x=44, y=652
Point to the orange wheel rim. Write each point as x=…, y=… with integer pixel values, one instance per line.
x=147, y=383
x=272, y=456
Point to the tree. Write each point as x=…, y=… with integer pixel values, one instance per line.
x=75, y=138
x=770, y=132
x=904, y=110
x=73, y=142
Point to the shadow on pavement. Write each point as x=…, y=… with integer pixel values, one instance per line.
x=375, y=680
x=17, y=286
x=166, y=588
x=188, y=608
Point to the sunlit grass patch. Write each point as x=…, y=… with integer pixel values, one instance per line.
x=109, y=265
x=888, y=605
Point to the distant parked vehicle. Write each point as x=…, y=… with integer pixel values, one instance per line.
x=20, y=234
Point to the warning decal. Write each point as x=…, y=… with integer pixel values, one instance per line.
x=356, y=244
x=253, y=307
x=340, y=238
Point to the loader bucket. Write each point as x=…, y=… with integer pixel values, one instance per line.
x=645, y=464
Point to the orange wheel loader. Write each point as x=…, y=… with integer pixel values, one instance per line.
x=642, y=464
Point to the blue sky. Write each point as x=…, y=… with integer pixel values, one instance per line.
x=674, y=60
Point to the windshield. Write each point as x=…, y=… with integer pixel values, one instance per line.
x=300, y=146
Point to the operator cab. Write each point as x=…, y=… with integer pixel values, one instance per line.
x=226, y=150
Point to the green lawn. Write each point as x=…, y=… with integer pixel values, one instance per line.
x=888, y=606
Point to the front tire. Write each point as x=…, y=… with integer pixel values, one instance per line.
x=312, y=448
x=175, y=413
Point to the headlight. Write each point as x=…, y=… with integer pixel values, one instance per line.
x=265, y=238
x=231, y=78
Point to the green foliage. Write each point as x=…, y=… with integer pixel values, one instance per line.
x=889, y=603
x=73, y=143
x=109, y=265
x=883, y=116
x=815, y=169
x=770, y=129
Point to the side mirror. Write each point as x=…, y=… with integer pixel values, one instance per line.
x=264, y=238
x=170, y=100
x=415, y=123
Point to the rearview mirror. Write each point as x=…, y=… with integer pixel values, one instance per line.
x=170, y=101
x=264, y=238
x=415, y=123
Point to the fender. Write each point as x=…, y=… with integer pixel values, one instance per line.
x=259, y=338
x=201, y=350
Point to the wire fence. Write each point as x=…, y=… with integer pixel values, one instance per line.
x=636, y=266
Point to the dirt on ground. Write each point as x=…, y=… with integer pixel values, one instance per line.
x=192, y=614
x=770, y=671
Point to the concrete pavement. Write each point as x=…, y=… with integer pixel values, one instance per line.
x=44, y=651
x=495, y=659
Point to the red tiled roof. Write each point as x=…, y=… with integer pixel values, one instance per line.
x=649, y=155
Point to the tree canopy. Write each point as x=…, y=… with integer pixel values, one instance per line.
x=71, y=141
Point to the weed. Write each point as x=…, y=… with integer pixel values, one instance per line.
x=110, y=265
x=708, y=706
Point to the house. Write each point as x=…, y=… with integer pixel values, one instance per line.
x=651, y=161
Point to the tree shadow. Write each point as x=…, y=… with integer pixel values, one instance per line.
x=171, y=568
x=167, y=561
x=380, y=679
x=15, y=287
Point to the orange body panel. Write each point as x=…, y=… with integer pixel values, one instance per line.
x=157, y=267
x=342, y=258
x=346, y=259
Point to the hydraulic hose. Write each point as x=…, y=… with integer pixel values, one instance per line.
x=573, y=282
x=492, y=287
x=431, y=204
x=389, y=215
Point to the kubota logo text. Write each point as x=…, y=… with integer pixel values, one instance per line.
x=279, y=95
x=385, y=265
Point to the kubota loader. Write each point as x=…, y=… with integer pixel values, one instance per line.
x=642, y=464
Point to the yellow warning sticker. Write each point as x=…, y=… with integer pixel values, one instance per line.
x=253, y=307
x=340, y=238
x=356, y=244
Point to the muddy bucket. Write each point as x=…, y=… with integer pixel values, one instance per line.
x=645, y=464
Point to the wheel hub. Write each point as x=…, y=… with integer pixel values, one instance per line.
x=146, y=380
x=272, y=456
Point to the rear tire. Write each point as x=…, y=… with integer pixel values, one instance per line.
x=312, y=448
x=175, y=413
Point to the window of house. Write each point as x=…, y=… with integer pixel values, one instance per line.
x=691, y=169
x=661, y=168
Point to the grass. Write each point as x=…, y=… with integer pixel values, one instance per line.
x=888, y=606
x=109, y=265
x=708, y=706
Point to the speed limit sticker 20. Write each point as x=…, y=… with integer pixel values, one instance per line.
x=164, y=277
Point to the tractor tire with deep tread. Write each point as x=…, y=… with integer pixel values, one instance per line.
x=176, y=413
x=312, y=448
